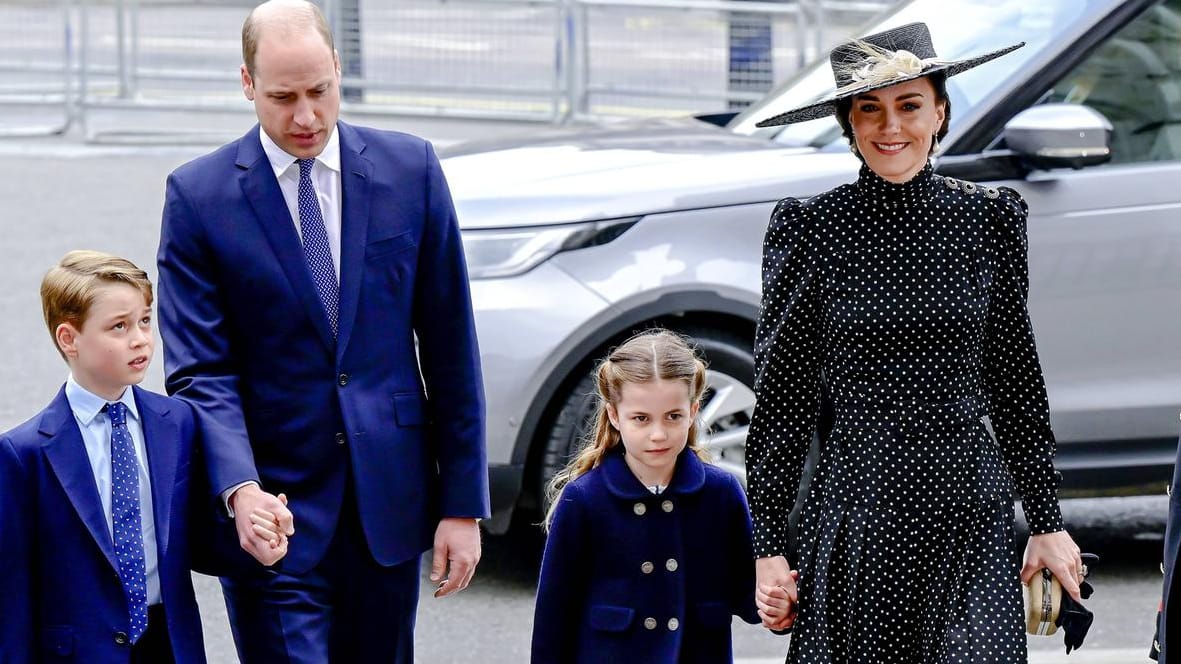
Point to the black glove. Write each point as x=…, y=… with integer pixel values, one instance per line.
x=1074, y=618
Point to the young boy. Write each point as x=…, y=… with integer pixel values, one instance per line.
x=95, y=492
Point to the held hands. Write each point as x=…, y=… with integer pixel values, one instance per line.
x=263, y=522
x=457, y=551
x=1058, y=553
x=775, y=592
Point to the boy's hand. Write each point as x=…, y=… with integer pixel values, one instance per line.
x=251, y=506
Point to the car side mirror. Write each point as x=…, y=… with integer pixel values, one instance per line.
x=1059, y=136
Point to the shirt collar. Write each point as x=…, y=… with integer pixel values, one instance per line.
x=87, y=405
x=281, y=160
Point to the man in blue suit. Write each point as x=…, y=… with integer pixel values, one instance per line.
x=95, y=490
x=315, y=310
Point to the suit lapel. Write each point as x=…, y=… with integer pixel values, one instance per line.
x=356, y=172
x=67, y=456
x=262, y=190
x=161, y=441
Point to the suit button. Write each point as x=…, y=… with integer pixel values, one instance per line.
x=649, y=623
x=667, y=506
x=639, y=509
x=671, y=564
x=673, y=624
x=647, y=567
x=341, y=439
x=343, y=380
x=121, y=638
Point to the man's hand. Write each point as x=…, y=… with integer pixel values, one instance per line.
x=1057, y=552
x=775, y=592
x=254, y=509
x=457, y=551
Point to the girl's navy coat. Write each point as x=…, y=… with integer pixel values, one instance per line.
x=629, y=576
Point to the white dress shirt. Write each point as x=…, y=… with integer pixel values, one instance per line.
x=95, y=426
x=325, y=179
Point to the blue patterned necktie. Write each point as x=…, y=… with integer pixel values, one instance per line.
x=125, y=517
x=315, y=243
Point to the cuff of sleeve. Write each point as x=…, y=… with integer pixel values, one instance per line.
x=770, y=540
x=225, y=495
x=1042, y=512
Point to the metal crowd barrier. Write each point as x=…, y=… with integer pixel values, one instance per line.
x=35, y=60
x=544, y=60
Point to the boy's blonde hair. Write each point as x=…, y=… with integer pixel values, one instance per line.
x=656, y=354
x=70, y=287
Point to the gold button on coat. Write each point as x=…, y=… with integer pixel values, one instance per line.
x=649, y=623
x=667, y=506
x=671, y=564
x=647, y=567
x=639, y=509
x=673, y=624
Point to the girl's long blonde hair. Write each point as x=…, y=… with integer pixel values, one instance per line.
x=656, y=354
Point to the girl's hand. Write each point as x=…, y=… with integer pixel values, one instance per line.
x=775, y=592
x=1058, y=553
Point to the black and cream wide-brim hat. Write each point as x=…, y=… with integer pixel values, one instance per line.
x=878, y=61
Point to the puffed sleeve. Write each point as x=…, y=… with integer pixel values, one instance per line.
x=561, y=589
x=1018, y=406
x=787, y=375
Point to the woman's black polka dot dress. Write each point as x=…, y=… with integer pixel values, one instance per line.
x=907, y=302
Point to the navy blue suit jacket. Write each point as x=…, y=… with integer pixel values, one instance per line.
x=278, y=399
x=622, y=564
x=60, y=598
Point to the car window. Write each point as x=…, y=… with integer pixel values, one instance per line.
x=1134, y=79
x=959, y=28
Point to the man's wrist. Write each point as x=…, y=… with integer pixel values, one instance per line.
x=227, y=496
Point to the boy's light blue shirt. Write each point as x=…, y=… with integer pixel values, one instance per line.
x=96, y=435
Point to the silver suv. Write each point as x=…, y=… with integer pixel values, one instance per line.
x=575, y=239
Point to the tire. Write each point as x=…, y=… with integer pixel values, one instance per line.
x=725, y=411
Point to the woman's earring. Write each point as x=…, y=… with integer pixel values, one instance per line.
x=934, y=143
x=853, y=147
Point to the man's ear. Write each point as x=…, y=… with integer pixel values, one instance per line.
x=247, y=83
x=66, y=336
x=336, y=63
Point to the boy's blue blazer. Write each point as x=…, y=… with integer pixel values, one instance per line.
x=60, y=596
x=629, y=576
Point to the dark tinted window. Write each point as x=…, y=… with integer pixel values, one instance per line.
x=1135, y=80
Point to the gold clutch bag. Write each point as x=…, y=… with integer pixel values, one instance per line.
x=1043, y=600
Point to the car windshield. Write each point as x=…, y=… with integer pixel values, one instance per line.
x=960, y=29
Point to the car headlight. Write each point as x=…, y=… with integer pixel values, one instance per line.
x=507, y=252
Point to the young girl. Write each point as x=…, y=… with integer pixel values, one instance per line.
x=649, y=550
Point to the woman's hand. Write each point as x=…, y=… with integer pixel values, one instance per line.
x=775, y=592
x=1057, y=552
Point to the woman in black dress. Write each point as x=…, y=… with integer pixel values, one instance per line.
x=904, y=296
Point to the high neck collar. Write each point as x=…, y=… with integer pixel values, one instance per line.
x=918, y=188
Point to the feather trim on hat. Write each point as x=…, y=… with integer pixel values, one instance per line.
x=881, y=66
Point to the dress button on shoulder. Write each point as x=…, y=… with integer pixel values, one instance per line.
x=649, y=623
x=992, y=192
x=647, y=567
x=673, y=624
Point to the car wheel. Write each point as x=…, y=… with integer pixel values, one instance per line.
x=725, y=411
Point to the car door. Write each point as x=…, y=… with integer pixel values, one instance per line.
x=1105, y=260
